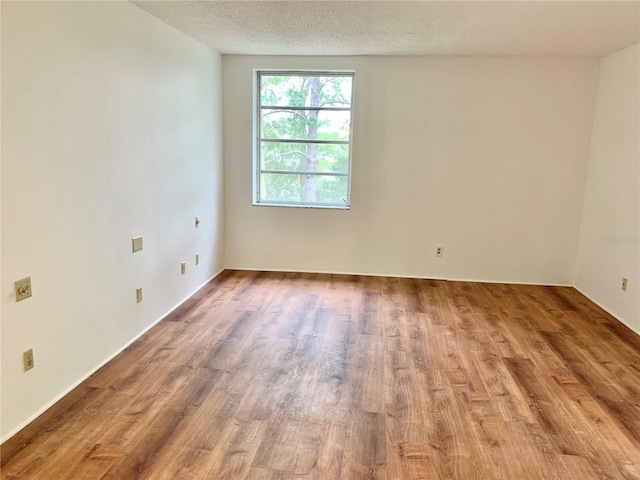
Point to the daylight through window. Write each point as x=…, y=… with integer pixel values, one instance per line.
x=303, y=139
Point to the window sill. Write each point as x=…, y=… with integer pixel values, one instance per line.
x=293, y=205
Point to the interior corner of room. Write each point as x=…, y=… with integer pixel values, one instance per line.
x=118, y=126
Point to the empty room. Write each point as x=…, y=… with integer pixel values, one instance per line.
x=330, y=240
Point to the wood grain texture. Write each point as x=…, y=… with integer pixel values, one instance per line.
x=309, y=376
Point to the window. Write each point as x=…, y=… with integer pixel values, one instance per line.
x=303, y=138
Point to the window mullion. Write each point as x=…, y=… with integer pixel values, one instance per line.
x=305, y=172
x=305, y=140
x=329, y=109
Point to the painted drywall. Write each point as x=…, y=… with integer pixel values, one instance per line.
x=610, y=231
x=485, y=156
x=111, y=128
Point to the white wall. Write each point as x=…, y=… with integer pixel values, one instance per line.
x=111, y=128
x=486, y=156
x=610, y=231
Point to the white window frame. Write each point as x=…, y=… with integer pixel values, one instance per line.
x=257, y=138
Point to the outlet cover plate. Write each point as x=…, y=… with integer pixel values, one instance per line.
x=624, y=284
x=23, y=289
x=27, y=359
x=136, y=244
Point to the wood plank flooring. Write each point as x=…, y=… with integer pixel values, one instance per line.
x=303, y=376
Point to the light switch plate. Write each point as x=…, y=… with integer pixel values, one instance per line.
x=624, y=284
x=136, y=244
x=197, y=259
x=138, y=295
x=23, y=289
x=183, y=268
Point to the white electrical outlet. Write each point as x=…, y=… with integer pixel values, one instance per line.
x=439, y=250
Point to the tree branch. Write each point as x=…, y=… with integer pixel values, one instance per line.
x=285, y=155
x=295, y=112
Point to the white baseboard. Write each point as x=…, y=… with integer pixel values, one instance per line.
x=101, y=364
x=606, y=309
x=474, y=280
x=326, y=272
x=509, y=282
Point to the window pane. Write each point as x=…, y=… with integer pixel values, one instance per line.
x=310, y=157
x=331, y=189
x=303, y=188
x=305, y=90
x=306, y=124
x=280, y=188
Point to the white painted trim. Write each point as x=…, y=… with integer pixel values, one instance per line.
x=509, y=282
x=101, y=364
x=288, y=270
x=326, y=272
x=637, y=332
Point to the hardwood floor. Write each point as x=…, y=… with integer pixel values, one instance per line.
x=303, y=376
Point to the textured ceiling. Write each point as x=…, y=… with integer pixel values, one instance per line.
x=592, y=28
